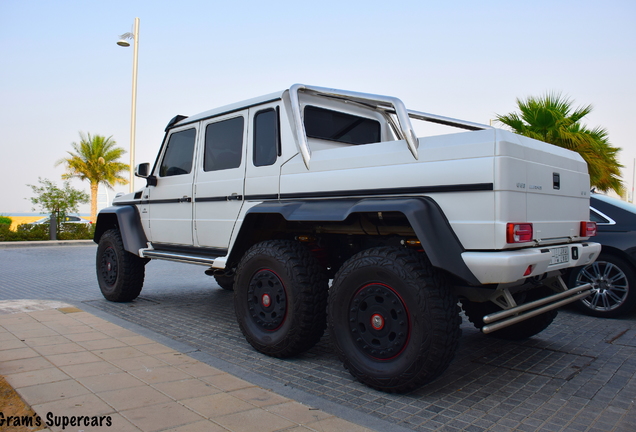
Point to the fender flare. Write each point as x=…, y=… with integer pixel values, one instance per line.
x=126, y=219
x=426, y=217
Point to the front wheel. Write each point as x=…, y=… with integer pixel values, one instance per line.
x=613, y=287
x=120, y=274
x=393, y=320
x=280, y=298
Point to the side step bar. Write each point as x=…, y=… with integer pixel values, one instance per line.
x=498, y=320
x=179, y=257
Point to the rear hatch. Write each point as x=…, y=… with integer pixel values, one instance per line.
x=542, y=184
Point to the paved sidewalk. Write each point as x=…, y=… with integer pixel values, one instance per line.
x=69, y=364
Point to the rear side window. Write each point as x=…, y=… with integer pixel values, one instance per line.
x=266, y=147
x=337, y=126
x=595, y=217
x=223, y=144
x=178, y=157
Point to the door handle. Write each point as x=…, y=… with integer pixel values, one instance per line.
x=185, y=199
x=235, y=197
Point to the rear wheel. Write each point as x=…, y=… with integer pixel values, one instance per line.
x=523, y=330
x=392, y=319
x=225, y=281
x=280, y=298
x=613, y=286
x=120, y=274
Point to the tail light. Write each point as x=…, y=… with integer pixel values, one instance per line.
x=518, y=232
x=588, y=229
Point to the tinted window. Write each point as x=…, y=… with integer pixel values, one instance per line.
x=223, y=145
x=336, y=126
x=178, y=157
x=265, y=137
x=595, y=217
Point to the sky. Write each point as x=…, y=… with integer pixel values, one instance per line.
x=62, y=73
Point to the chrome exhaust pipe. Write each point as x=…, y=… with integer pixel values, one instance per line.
x=498, y=320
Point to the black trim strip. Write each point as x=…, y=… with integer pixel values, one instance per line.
x=192, y=250
x=159, y=201
x=164, y=201
x=470, y=187
x=210, y=199
x=263, y=197
x=474, y=187
x=219, y=198
x=127, y=203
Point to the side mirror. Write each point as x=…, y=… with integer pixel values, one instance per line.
x=142, y=170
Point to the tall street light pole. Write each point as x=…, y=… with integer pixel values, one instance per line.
x=133, y=115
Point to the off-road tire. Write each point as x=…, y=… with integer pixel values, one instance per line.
x=225, y=282
x=392, y=319
x=120, y=274
x=523, y=330
x=280, y=298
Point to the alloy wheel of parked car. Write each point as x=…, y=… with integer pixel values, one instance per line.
x=611, y=279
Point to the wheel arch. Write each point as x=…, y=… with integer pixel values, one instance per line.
x=619, y=253
x=606, y=250
x=423, y=214
x=126, y=219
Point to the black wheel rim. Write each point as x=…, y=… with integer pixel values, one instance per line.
x=267, y=300
x=109, y=266
x=379, y=321
x=610, y=286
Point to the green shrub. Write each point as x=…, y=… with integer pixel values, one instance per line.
x=26, y=232
x=29, y=232
x=5, y=233
x=23, y=232
x=5, y=220
x=74, y=231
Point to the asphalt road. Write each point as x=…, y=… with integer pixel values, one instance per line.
x=578, y=375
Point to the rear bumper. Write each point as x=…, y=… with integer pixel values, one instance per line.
x=511, y=266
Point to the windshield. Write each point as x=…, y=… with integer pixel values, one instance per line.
x=616, y=202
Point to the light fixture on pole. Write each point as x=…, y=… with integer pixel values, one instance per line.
x=123, y=41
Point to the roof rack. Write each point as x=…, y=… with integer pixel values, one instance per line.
x=388, y=104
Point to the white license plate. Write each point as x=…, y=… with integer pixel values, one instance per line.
x=560, y=255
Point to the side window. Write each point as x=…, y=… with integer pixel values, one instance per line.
x=178, y=157
x=223, y=144
x=266, y=140
x=337, y=126
x=595, y=217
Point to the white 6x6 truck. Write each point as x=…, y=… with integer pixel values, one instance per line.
x=278, y=195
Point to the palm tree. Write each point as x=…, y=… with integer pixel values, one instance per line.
x=95, y=159
x=551, y=118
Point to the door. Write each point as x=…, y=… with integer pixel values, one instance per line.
x=263, y=170
x=170, y=206
x=218, y=195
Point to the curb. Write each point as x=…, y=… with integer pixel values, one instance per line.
x=17, y=244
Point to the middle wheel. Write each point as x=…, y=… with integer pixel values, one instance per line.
x=393, y=319
x=280, y=298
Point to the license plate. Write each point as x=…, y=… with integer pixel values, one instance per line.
x=560, y=255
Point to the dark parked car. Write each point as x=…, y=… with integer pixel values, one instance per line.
x=613, y=275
